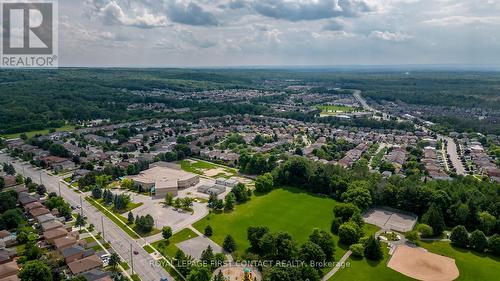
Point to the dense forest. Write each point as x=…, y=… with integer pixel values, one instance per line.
x=40, y=99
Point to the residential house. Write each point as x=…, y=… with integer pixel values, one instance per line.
x=75, y=253
x=85, y=264
x=51, y=235
x=9, y=270
x=7, y=238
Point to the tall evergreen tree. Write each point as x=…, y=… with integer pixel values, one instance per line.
x=373, y=250
x=434, y=218
x=229, y=244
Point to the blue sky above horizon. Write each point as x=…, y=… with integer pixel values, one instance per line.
x=166, y=33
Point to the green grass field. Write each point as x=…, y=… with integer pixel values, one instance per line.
x=198, y=167
x=167, y=247
x=471, y=265
x=65, y=128
x=330, y=110
x=290, y=210
x=363, y=269
x=117, y=219
x=148, y=249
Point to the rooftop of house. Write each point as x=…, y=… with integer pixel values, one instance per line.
x=8, y=269
x=85, y=264
x=64, y=242
x=57, y=232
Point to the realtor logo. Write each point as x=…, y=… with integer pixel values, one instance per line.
x=29, y=33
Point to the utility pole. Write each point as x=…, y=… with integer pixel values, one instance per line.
x=102, y=226
x=81, y=205
x=59, y=183
x=131, y=259
x=24, y=175
x=41, y=177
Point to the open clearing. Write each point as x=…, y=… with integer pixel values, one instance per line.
x=290, y=210
x=207, y=169
x=423, y=265
x=331, y=110
x=65, y=128
x=283, y=209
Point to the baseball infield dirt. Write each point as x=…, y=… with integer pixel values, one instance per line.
x=422, y=265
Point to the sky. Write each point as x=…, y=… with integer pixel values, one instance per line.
x=204, y=33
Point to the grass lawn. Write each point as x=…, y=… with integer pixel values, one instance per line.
x=135, y=277
x=471, y=265
x=20, y=249
x=167, y=247
x=118, y=213
x=117, y=219
x=198, y=167
x=67, y=128
x=148, y=249
x=125, y=265
x=290, y=210
x=363, y=269
x=130, y=207
x=97, y=247
x=328, y=110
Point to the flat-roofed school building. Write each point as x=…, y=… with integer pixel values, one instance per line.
x=161, y=179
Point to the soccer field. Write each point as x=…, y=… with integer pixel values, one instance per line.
x=290, y=210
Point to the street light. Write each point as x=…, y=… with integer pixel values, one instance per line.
x=131, y=258
x=102, y=226
x=81, y=206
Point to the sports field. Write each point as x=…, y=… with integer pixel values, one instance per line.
x=65, y=128
x=330, y=110
x=471, y=265
x=290, y=210
x=206, y=168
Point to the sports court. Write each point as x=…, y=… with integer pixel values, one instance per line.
x=390, y=219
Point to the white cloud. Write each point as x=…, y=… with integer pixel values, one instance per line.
x=390, y=36
x=112, y=13
x=463, y=20
x=221, y=32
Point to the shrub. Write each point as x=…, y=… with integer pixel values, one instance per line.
x=425, y=230
x=478, y=241
x=459, y=236
x=357, y=250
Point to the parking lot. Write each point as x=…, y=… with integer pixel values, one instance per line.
x=164, y=215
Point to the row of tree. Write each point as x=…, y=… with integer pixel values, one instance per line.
x=463, y=201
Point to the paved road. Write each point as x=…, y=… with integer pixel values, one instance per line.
x=455, y=160
x=357, y=95
x=113, y=234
